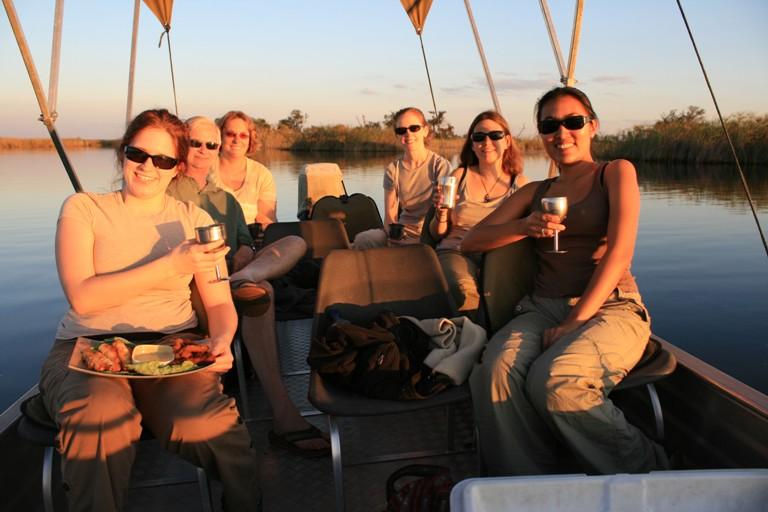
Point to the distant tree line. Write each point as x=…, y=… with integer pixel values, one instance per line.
x=688, y=137
x=292, y=132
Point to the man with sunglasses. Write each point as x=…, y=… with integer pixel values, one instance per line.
x=195, y=184
x=251, y=270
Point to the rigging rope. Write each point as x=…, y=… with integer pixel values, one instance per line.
x=725, y=129
x=170, y=59
x=429, y=80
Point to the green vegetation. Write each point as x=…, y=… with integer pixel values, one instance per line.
x=12, y=144
x=369, y=137
x=340, y=138
x=687, y=137
x=679, y=137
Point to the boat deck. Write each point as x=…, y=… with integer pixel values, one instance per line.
x=723, y=427
x=291, y=482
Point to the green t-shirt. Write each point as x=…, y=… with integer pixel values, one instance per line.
x=220, y=205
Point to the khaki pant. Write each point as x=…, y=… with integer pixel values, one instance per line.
x=372, y=238
x=100, y=420
x=461, y=273
x=528, y=402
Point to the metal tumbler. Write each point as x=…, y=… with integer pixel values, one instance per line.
x=448, y=187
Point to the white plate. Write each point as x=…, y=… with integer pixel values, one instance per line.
x=76, y=363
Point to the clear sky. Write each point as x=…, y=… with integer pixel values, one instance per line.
x=344, y=60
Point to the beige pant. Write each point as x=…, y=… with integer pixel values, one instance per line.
x=527, y=402
x=461, y=274
x=372, y=238
x=100, y=420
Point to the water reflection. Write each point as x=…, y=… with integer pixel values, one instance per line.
x=711, y=184
x=699, y=261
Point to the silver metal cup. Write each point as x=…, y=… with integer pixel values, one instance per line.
x=448, y=187
x=212, y=233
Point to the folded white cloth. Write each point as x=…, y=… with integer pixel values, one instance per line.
x=458, y=343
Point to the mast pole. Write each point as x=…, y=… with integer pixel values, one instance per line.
x=53, y=81
x=480, y=50
x=45, y=115
x=570, y=81
x=553, y=38
x=132, y=66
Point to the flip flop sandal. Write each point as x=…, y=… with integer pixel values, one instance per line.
x=250, y=298
x=288, y=440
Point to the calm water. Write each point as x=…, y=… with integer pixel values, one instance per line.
x=699, y=260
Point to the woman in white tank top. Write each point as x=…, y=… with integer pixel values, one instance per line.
x=490, y=171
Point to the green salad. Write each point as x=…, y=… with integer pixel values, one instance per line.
x=157, y=368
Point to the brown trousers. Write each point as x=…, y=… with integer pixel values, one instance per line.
x=100, y=420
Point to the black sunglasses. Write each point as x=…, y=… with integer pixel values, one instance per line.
x=140, y=156
x=211, y=146
x=480, y=136
x=400, y=130
x=548, y=126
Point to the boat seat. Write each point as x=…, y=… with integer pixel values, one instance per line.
x=36, y=426
x=655, y=364
x=321, y=235
x=507, y=276
x=360, y=285
x=318, y=180
x=358, y=212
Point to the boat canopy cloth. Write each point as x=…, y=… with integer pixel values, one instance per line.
x=417, y=10
x=163, y=9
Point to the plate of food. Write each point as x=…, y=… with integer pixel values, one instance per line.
x=119, y=357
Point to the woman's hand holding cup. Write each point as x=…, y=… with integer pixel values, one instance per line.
x=191, y=257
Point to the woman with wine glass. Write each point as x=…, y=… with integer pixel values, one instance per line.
x=246, y=179
x=491, y=169
x=545, y=377
x=125, y=262
x=408, y=182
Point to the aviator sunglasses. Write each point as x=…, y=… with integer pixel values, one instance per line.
x=139, y=156
x=241, y=135
x=548, y=126
x=400, y=130
x=211, y=146
x=480, y=136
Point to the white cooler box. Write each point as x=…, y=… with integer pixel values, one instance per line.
x=743, y=490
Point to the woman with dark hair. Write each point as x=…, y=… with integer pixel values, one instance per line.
x=125, y=262
x=545, y=377
x=246, y=179
x=408, y=181
x=490, y=171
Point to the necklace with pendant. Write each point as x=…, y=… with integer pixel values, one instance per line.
x=487, y=197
